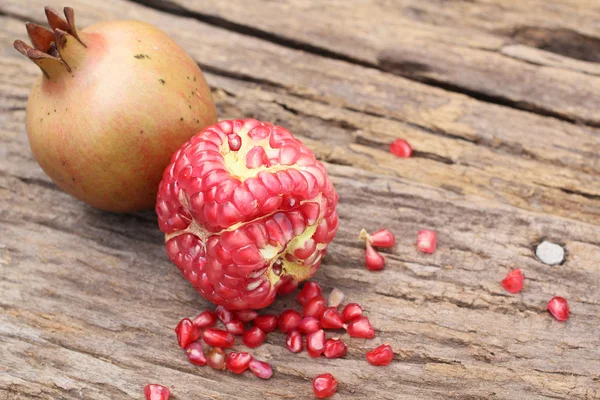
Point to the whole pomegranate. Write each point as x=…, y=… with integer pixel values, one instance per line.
x=114, y=102
x=247, y=211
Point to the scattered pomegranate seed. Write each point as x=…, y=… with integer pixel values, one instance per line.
x=293, y=342
x=195, y=353
x=238, y=362
x=373, y=259
x=559, y=308
x=267, y=323
x=336, y=298
x=381, y=355
x=156, y=392
x=426, y=241
x=246, y=315
x=186, y=332
x=309, y=325
x=315, y=343
x=205, y=319
x=261, y=369
x=309, y=291
x=314, y=307
x=331, y=319
x=289, y=320
x=361, y=328
x=401, y=148
x=351, y=311
x=235, y=327
x=254, y=337
x=215, y=358
x=324, y=385
x=287, y=287
x=223, y=314
x=218, y=337
x=334, y=348
x=513, y=282
x=382, y=238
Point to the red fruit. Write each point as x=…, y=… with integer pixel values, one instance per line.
x=314, y=307
x=351, y=311
x=268, y=323
x=559, y=308
x=334, y=348
x=381, y=238
x=324, y=385
x=336, y=298
x=309, y=325
x=381, y=355
x=401, y=148
x=309, y=291
x=205, y=319
x=195, y=353
x=293, y=342
x=111, y=152
x=218, y=337
x=331, y=319
x=289, y=320
x=156, y=392
x=215, y=358
x=513, y=282
x=261, y=369
x=286, y=286
x=315, y=343
x=235, y=327
x=246, y=315
x=361, y=328
x=254, y=337
x=186, y=332
x=426, y=241
x=223, y=314
x=238, y=362
x=373, y=259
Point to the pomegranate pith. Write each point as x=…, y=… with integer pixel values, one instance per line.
x=309, y=291
x=186, y=332
x=293, y=342
x=261, y=369
x=195, y=353
x=315, y=343
x=513, y=282
x=205, y=319
x=268, y=323
x=314, y=308
x=156, y=392
x=351, y=311
x=331, y=319
x=361, y=328
x=289, y=320
x=334, y=348
x=380, y=238
x=336, y=298
x=426, y=241
x=238, y=362
x=254, y=337
x=218, y=337
x=381, y=355
x=559, y=308
x=324, y=385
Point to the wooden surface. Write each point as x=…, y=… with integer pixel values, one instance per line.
x=500, y=100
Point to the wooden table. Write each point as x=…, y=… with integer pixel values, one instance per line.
x=500, y=100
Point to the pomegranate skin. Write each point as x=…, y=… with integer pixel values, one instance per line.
x=246, y=208
x=105, y=130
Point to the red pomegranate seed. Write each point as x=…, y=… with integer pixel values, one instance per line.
x=382, y=238
x=195, y=353
x=335, y=299
x=293, y=342
x=426, y=241
x=331, y=319
x=351, y=311
x=334, y=348
x=223, y=314
x=324, y=385
x=309, y=291
x=267, y=323
x=238, y=362
x=309, y=325
x=513, y=282
x=156, y=392
x=287, y=287
x=559, y=308
x=289, y=320
x=314, y=307
x=315, y=343
x=215, y=358
x=205, y=319
x=381, y=355
x=186, y=332
x=246, y=315
x=218, y=337
x=254, y=337
x=235, y=327
x=261, y=369
x=401, y=148
x=373, y=259
x=361, y=328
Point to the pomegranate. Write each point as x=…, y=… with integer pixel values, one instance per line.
x=114, y=101
x=246, y=208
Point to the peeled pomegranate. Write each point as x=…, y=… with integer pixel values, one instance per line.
x=114, y=102
x=246, y=209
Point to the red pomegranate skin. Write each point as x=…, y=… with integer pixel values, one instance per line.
x=246, y=208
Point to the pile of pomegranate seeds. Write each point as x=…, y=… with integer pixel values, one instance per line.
x=426, y=241
x=156, y=392
x=559, y=308
x=401, y=148
x=382, y=238
x=324, y=385
x=513, y=282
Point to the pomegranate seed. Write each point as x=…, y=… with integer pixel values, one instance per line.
x=205, y=319
x=382, y=238
x=267, y=323
x=315, y=343
x=373, y=259
x=289, y=320
x=218, y=337
x=261, y=369
x=223, y=314
x=215, y=358
x=309, y=325
x=361, y=328
x=314, y=307
x=334, y=348
x=309, y=291
x=401, y=148
x=156, y=392
x=513, y=282
x=293, y=342
x=381, y=355
x=559, y=308
x=335, y=299
x=235, y=327
x=351, y=311
x=287, y=287
x=254, y=337
x=238, y=362
x=331, y=319
x=195, y=353
x=246, y=315
x=186, y=332
x=324, y=385
x=426, y=241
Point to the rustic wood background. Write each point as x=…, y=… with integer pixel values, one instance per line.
x=500, y=99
